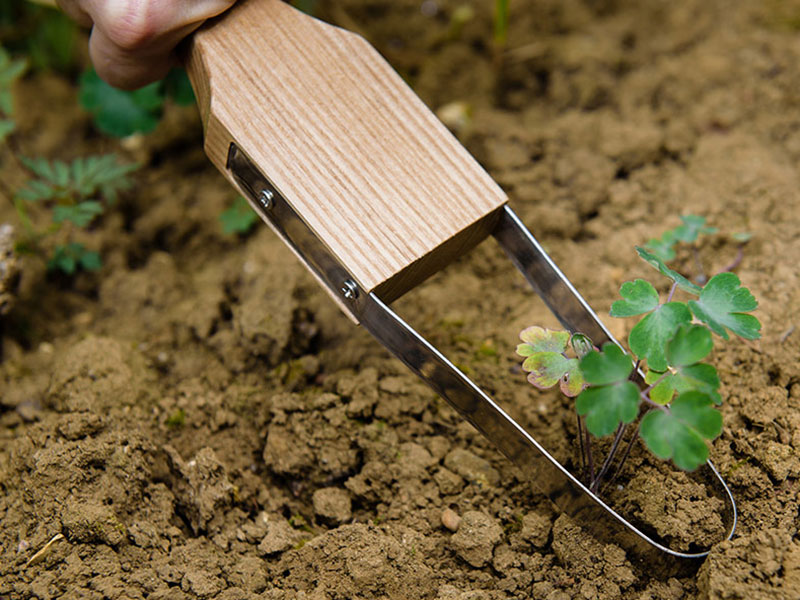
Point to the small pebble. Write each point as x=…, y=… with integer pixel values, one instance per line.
x=450, y=519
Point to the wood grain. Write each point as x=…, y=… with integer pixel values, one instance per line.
x=377, y=177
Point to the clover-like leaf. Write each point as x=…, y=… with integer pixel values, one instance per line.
x=693, y=378
x=693, y=226
x=639, y=297
x=664, y=390
x=549, y=368
x=120, y=113
x=540, y=339
x=606, y=406
x=723, y=303
x=546, y=362
x=612, y=399
x=663, y=247
x=657, y=263
x=680, y=432
x=610, y=365
x=649, y=336
x=689, y=345
x=699, y=378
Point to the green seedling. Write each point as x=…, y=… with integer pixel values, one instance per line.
x=72, y=196
x=238, y=218
x=668, y=344
x=10, y=71
x=120, y=113
x=501, y=23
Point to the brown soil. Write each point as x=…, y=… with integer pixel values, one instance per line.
x=199, y=421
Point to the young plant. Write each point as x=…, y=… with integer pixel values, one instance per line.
x=10, y=71
x=70, y=195
x=120, y=113
x=239, y=217
x=667, y=344
x=501, y=23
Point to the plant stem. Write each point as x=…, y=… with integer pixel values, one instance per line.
x=624, y=458
x=736, y=261
x=672, y=291
x=590, y=460
x=580, y=443
x=609, y=458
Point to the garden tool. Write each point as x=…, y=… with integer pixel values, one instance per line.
x=373, y=194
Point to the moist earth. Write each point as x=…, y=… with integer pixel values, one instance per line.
x=198, y=420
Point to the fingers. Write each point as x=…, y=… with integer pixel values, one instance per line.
x=73, y=10
x=132, y=40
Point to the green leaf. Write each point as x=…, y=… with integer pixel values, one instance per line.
x=7, y=126
x=655, y=262
x=663, y=248
x=649, y=336
x=82, y=179
x=36, y=191
x=639, y=297
x=605, y=407
x=610, y=365
x=612, y=399
x=67, y=258
x=117, y=112
x=663, y=392
x=549, y=368
x=693, y=226
x=178, y=87
x=10, y=71
x=680, y=432
x=81, y=214
x=698, y=378
x=689, y=345
x=723, y=303
x=742, y=237
x=545, y=360
x=90, y=261
x=238, y=218
x=539, y=339
x=581, y=344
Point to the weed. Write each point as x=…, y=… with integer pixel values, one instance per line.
x=120, y=113
x=239, y=217
x=176, y=419
x=501, y=23
x=668, y=345
x=73, y=195
x=10, y=71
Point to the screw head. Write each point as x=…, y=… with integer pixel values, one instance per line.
x=265, y=198
x=349, y=290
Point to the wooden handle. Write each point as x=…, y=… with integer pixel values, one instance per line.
x=373, y=173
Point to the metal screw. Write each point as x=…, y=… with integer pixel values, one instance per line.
x=265, y=199
x=349, y=289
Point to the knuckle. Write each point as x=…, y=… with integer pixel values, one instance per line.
x=132, y=25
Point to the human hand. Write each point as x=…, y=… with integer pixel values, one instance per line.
x=132, y=41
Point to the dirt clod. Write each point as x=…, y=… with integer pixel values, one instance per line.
x=476, y=538
x=332, y=505
x=471, y=467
